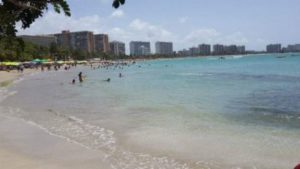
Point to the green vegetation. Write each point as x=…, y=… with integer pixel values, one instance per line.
x=28, y=51
x=26, y=12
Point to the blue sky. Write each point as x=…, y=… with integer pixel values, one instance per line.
x=187, y=23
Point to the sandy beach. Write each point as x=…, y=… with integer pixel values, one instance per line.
x=6, y=78
x=19, y=149
x=158, y=115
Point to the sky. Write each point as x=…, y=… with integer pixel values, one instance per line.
x=187, y=23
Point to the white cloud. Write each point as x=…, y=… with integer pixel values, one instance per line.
x=183, y=20
x=141, y=30
x=212, y=36
x=150, y=31
x=235, y=38
x=54, y=23
x=202, y=35
x=117, y=14
x=137, y=29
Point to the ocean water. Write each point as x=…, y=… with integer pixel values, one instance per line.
x=242, y=112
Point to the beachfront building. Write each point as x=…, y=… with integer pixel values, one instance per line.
x=194, y=51
x=293, y=48
x=139, y=48
x=230, y=50
x=102, y=43
x=40, y=40
x=241, y=49
x=63, y=39
x=184, y=52
x=83, y=40
x=205, y=49
x=164, y=48
x=117, y=48
x=218, y=49
x=274, y=48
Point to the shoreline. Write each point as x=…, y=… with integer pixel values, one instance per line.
x=26, y=146
x=8, y=78
x=19, y=149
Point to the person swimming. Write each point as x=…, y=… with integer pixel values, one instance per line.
x=107, y=80
x=73, y=81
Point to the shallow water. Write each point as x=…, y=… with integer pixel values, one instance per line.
x=242, y=112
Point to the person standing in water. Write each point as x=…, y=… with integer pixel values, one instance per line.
x=120, y=75
x=80, y=77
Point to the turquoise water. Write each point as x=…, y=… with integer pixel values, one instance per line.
x=241, y=112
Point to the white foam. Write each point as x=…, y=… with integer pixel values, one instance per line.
x=4, y=93
x=96, y=138
x=238, y=56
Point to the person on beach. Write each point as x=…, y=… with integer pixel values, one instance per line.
x=73, y=81
x=22, y=68
x=80, y=77
x=297, y=167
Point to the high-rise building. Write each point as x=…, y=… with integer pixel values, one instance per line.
x=63, y=39
x=194, y=51
x=205, y=49
x=164, y=48
x=184, y=52
x=293, y=48
x=117, y=48
x=102, y=43
x=274, y=48
x=41, y=40
x=138, y=48
x=241, y=49
x=83, y=40
x=218, y=49
x=231, y=49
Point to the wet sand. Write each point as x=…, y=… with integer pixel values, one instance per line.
x=6, y=78
x=24, y=146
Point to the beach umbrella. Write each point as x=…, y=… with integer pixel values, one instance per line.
x=60, y=62
x=48, y=63
x=82, y=62
x=37, y=61
x=44, y=60
x=11, y=63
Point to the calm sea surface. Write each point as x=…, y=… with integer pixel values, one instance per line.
x=240, y=112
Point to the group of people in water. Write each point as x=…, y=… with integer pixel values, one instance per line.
x=104, y=65
x=80, y=78
x=56, y=67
